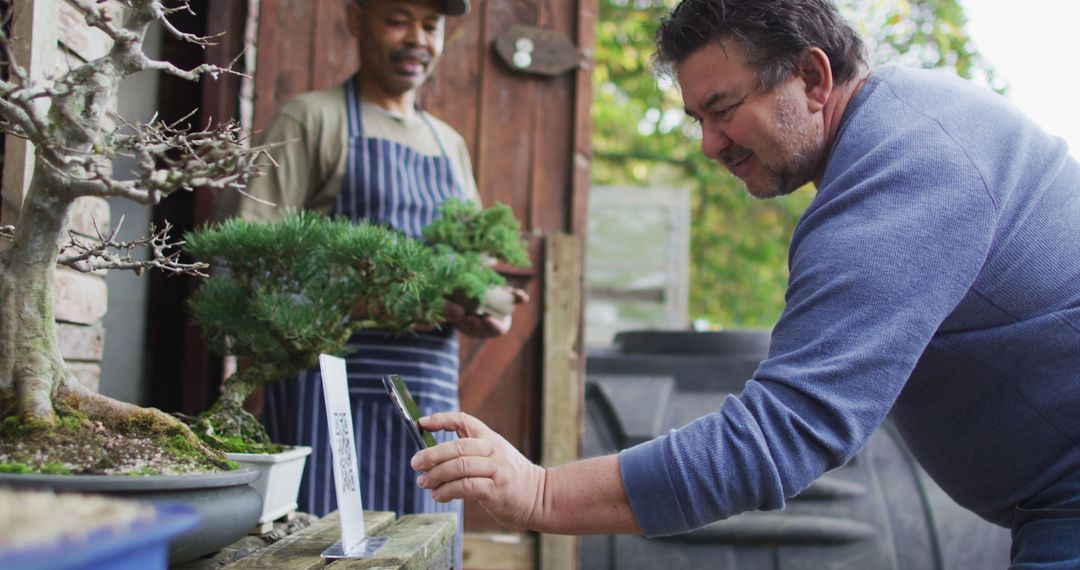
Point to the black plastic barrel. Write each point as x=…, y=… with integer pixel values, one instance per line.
x=879, y=512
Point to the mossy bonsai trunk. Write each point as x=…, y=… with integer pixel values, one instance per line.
x=227, y=426
x=31, y=369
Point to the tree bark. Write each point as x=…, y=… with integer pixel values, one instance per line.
x=30, y=361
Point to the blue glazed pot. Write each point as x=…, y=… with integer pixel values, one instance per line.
x=228, y=506
x=143, y=545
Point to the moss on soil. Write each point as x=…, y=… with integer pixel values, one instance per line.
x=76, y=445
x=49, y=469
x=240, y=445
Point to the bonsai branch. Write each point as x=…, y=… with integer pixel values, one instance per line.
x=185, y=6
x=21, y=118
x=106, y=252
x=169, y=157
x=127, y=37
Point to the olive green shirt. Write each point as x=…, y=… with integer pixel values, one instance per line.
x=309, y=139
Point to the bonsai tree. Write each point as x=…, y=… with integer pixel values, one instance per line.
x=481, y=238
x=64, y=117
x=288, y=290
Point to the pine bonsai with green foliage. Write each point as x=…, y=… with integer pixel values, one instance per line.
x=285, y=291
x=480, y=237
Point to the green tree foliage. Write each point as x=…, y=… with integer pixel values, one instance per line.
x=286, y=291
x=464, y=227
x=642, y=138
x=477, y=237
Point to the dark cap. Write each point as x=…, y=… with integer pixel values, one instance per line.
x=455, y=7
x=446, y=7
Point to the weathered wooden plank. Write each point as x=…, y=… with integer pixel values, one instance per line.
x=336, y=56
x=220, y=97
x=286, y=555
x=511, y=407
x=453, y=93
x=583, y=96
x=415, y=541
x=552, y=171
x=302, y=549
x=80, y=298
x=504, y=160
x=554, y=133
x=489, y=364
x=285, y=45
x=88, y=374
x=81, y=342
x=500, y=551
x=507, y=116
x=516, y=388
x=563, y=384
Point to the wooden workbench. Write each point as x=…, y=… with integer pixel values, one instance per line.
x=417, y=542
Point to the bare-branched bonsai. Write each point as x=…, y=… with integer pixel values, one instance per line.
x=285, y=291
x=64, y=117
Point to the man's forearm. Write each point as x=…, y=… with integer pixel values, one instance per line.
x=586, y=497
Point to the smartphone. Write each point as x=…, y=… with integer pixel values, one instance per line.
x=408, y=410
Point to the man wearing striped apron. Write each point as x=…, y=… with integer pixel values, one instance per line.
x=364, y=150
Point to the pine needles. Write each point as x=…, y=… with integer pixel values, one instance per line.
x=283, y=292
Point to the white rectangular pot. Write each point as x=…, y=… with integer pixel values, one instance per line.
x=280, y=481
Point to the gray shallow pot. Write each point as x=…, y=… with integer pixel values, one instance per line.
x=227, y=505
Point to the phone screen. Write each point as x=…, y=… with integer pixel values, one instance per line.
x=408, y=410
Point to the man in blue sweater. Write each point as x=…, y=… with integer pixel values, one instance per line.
x=935, y=275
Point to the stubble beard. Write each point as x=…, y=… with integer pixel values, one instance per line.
x=801, y=149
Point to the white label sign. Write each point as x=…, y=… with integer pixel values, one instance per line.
x=343, y=446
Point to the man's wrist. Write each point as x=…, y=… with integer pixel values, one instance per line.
x=583, y=497
x=541, y=511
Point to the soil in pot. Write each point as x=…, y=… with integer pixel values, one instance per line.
x=79, y=446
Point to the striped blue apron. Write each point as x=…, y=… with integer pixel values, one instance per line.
x=389, y=183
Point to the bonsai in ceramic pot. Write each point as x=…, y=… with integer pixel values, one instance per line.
x=285, y=291
x=55, y=432
x=47, y=415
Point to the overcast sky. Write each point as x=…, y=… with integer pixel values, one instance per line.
x=1033, y=46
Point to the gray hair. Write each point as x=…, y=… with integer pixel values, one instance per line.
x=774, y=34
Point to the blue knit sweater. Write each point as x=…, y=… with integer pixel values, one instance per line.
x=936, y=274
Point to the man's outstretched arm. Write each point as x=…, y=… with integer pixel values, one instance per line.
x=584, y=497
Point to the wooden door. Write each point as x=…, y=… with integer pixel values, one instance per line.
x=529, y=140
